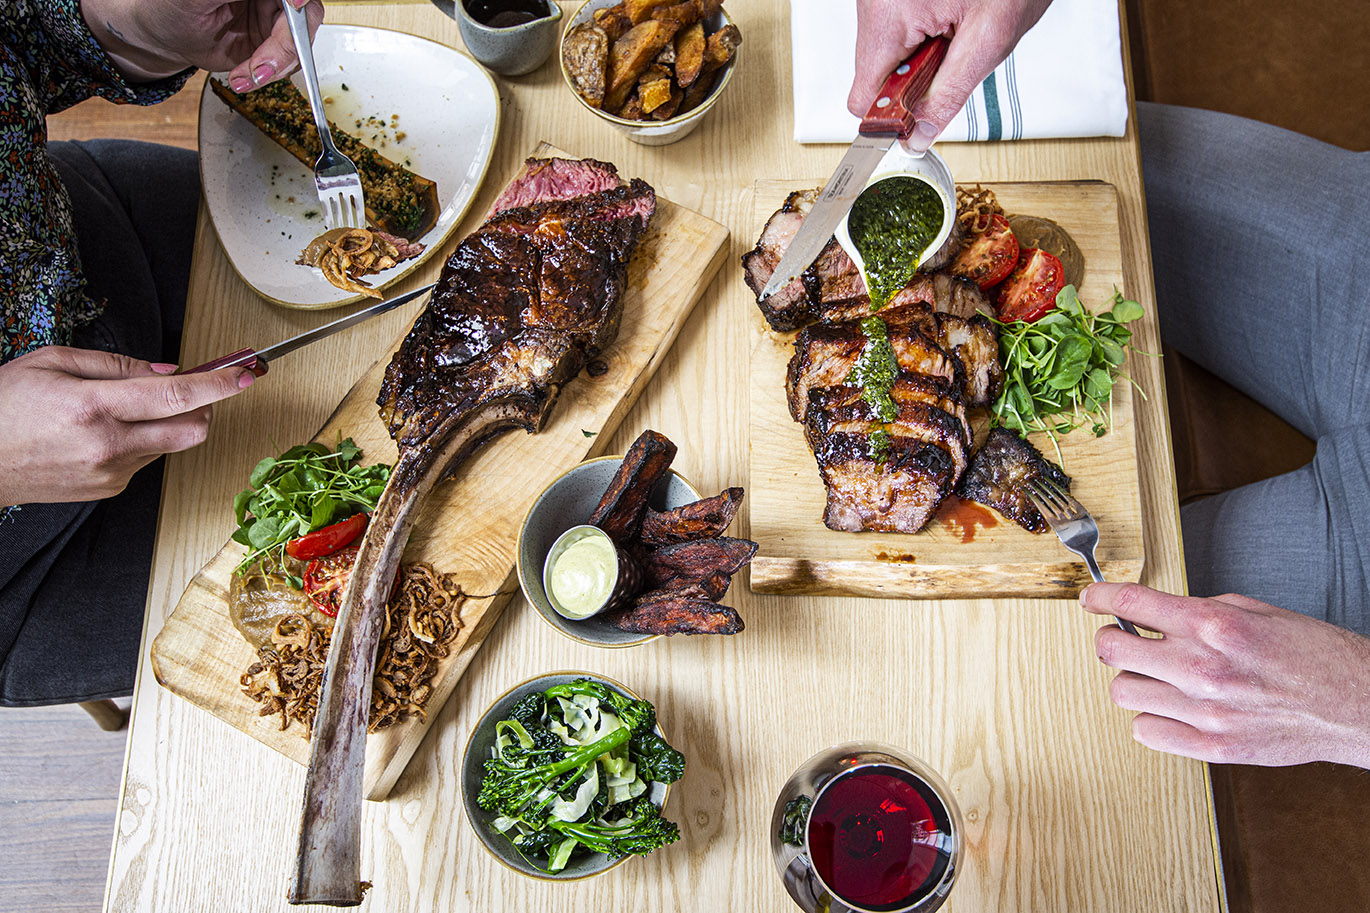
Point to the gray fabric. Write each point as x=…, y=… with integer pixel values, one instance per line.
x=1262, y=265
x=73, y=577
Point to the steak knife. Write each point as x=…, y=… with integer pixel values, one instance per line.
x=257, y=360
x=889, y=118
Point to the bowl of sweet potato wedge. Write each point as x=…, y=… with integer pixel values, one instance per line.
x=652, y=68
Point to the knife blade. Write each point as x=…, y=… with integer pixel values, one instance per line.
x=889, y=118
x=257, y=360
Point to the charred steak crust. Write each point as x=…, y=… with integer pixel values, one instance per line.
x=522, y=304
x=998, y=471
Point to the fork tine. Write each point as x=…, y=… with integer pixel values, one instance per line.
x=1044, y=496
x=1042, y=507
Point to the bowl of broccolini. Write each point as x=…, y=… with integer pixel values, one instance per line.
x=565, y=777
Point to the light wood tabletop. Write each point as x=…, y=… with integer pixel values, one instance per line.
x=1005, y=697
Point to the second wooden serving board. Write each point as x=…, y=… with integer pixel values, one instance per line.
x=966, y=550
x=469, y=526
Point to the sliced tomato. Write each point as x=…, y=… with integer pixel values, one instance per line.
x=1030, y=290
x=989, y=256
x=327, y=540
x=326, y=578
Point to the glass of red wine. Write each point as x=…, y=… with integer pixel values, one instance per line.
x=866, y=828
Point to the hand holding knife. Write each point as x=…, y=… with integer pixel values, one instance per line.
x=889, y=117
x=257, y=360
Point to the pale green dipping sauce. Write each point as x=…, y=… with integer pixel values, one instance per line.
x=583, y=574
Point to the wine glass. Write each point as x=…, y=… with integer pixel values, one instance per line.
x=866, y=828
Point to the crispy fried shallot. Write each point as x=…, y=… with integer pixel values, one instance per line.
x=421, y=622
x=344, y=255
x=974, y=208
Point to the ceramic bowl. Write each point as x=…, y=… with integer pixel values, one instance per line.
x=654, y=132
x=480, y=747
x=928, y=167
x=568, y=502
x=512, y=50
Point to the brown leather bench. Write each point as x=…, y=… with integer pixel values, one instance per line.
x=1295, y=838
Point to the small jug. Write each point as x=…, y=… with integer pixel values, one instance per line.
x=510, y=50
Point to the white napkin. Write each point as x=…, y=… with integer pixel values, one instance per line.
x=1065, y=77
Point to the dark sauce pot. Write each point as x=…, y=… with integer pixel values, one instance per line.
x=510, y=37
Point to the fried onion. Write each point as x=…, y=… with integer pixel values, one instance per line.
x=975, y=207
x=344, y=255
x=421, y=622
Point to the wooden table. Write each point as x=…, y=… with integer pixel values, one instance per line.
x=1063, y=811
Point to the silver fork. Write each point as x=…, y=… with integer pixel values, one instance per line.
x=335, y=175
x=1073, y=526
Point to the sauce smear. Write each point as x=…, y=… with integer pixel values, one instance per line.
x=965, y=518
x=892, y=224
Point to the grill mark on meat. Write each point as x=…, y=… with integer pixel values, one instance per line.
x=900, y=494
x=998, y=473
x=521, y=306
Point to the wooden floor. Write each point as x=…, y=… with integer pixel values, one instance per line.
x=59, y=772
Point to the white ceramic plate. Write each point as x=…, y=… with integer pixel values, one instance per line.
x=262, y=200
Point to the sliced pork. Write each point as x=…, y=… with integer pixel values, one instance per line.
x=999, y=471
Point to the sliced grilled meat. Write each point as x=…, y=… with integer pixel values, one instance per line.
x=998, y=471
x=792, y=306
x=974, y=342
x=897, y=494
x=824, y=355
x=831, y=404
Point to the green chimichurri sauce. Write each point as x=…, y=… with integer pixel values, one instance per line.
x=874, y=372
x=892, y=223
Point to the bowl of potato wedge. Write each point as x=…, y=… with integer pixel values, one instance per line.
x=652, y=68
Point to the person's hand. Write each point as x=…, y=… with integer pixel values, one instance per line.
x=152, y=39
x=79, y=423
x=1235, y=681
x=982, y=33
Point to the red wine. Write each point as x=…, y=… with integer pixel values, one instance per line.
x=501, y=14
x=879, y=838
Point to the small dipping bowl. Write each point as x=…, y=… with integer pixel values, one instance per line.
x=655, y=132
x=481, y=745
x=927, y=167
x=511, y=50
x=586, y=573
x=568, y=502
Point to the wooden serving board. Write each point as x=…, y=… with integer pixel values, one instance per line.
x=470, y=525
x=798, y=554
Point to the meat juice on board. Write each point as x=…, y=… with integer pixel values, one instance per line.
x=879, y=838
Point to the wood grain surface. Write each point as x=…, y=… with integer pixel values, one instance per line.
x=798, y=554
x=1004, y=697
x=469, y=527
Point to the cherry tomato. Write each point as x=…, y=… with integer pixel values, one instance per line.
x=326, y=578
x=990, y=256
x=328, y=540
x=1030, y=290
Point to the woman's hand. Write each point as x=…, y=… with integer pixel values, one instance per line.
x=982, y=32
x=153, y=39
x=1234, y=680
x=78, y=423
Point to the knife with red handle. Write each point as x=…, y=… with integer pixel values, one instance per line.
x=258, y=360
x=889, y=117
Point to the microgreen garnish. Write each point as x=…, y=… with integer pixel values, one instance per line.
x=1059, y=370
x=304, y=489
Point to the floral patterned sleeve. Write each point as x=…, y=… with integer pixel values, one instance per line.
x=49, y=60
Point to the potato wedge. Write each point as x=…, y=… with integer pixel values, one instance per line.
x=631, y=55
x=585, y=54
x=688, y=12
x=689, y=54
x=654, y=88
x=720, y=48
x=641, y=10
x=614, y=20
x=671, y=105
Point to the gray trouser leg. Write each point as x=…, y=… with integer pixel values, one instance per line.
x=1262, y=267
x=73, y=577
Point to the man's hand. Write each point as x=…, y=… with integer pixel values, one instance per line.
x=152, y=39
x=78, y=423
x=1234, y=680
x=982, y=32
